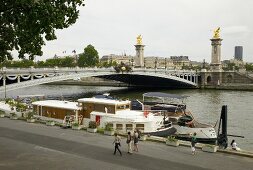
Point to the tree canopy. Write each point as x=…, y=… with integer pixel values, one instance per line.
x=89, y=58
x=26, y=24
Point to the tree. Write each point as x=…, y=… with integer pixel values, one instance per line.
x=89, y=58
x=26, y=23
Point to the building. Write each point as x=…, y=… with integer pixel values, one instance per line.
x=126, y=59
x=180, y=61
x=239, y=53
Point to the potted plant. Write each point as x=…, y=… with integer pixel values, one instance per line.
x=50, y=123
x=92, y=128
x=30, y=117
x=109, y=129
x=172, y=141
x=2, y=113
x=76, y=126
x=209, y=148
x=13, y=116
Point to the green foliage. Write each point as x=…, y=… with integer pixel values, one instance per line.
x=230, y=66
x=75, y=124
x=92, y=125
x=122, y=67
x=25, y=24
x=210, y=146
x=109, y=127
x=100, y=130
x=89, y=58
x=30, y=115
x=13, y=114
x=2, y=112
x=107, y=64
x=172, y=139
x=249, y=67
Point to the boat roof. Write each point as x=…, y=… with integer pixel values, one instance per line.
x=130, y=115
x=104, y=101
x=163, y=95
x=58, y=104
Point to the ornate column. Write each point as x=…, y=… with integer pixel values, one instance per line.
x=139, y=47
x=216, y=51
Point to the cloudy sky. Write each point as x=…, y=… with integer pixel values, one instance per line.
x=168, y=27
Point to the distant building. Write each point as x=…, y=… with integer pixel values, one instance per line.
x=126, y=59
x=180, y=61
x=158, y=62
x=239, y=53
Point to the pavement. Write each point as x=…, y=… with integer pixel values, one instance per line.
x=35, y=146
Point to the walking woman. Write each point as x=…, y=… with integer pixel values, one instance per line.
x=116, y=143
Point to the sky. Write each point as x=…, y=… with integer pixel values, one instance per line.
x=168, y=27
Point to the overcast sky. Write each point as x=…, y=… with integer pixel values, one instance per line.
x=168, y=27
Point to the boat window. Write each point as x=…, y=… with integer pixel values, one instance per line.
x=127, y=106
x=119, y=127
x=121, y=107
x=140, y=127
x=129, y=127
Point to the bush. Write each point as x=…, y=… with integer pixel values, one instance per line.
x=13, y=114
x=172, y=138
x=30, y=115
x=75, y=124
x=92, y=125
x=2, y=112
x=109, y=127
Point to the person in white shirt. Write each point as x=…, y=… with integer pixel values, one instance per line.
x=234, y=145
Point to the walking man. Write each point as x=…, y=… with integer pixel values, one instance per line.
x=193, y=142
x=129, y=143
x=116, y=143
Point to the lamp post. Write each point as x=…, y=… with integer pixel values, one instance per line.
x=155, y=63
x=165, y=64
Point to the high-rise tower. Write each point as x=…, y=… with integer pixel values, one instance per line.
x=238, y=52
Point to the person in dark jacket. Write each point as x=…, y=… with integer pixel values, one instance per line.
x=193, y=143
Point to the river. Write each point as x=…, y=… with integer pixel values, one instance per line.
x=204, y=104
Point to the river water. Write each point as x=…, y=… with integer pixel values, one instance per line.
x=204, y=104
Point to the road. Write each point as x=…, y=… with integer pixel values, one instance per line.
x=32, y=146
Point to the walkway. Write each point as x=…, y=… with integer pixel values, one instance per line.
x=36, y=146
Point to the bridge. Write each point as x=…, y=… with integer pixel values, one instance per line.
x=11, y=79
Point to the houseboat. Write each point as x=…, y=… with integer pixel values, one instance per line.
x=104, y=111
x=173, y=108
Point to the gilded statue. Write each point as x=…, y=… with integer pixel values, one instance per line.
x=216, y=33
x=139, y=40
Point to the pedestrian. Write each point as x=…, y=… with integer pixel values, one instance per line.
x=136, y=140
x=116, y=143
x=129, y=143
x=234, y=145
x=193, y=143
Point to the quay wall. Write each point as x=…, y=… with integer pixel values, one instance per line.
x=229, y=80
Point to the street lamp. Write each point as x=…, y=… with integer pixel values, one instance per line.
x=155, y=62
x=165, y=63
